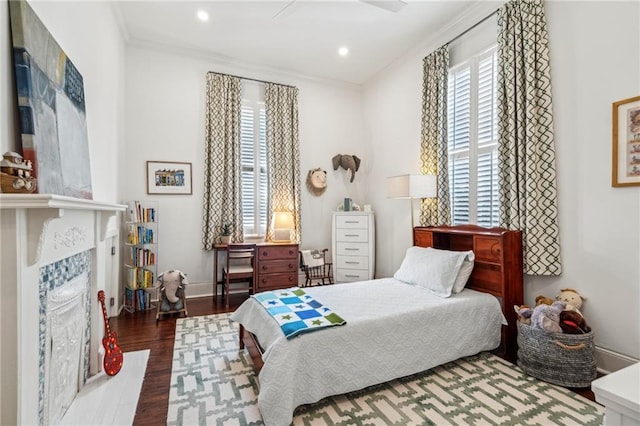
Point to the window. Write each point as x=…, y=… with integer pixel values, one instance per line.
x=473, y=140
x=253, y=153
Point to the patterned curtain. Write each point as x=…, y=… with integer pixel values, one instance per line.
x=222, y=197
x=526, y=152
x=433, y=149
x=283, y=153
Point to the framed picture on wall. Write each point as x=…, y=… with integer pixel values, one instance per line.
x=626, y=142
x=168, y=177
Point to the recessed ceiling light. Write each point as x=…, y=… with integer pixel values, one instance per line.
x=343, y=51
x=203, y=16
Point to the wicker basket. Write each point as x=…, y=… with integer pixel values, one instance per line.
x=562, y=359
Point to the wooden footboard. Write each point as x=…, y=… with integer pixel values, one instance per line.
x=249, y=340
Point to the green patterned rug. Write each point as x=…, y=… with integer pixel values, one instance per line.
x=213, y=383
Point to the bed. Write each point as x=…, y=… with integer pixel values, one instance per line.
x=393, y=329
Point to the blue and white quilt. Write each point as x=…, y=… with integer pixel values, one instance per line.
x=297, y=312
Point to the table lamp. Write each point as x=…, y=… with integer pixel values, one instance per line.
x=412, y=187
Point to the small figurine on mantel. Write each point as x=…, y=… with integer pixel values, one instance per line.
x=15, y=174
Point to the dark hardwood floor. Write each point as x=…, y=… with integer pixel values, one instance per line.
x=140, y=330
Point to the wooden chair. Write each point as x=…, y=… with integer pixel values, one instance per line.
x=323, y=273
x=240, y=267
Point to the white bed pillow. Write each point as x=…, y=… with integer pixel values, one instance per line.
x=465, y=271
x=433, y=269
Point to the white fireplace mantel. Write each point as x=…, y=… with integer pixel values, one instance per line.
x=41, y=208
x=37, y=231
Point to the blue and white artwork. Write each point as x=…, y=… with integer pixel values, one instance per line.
x=50, y=93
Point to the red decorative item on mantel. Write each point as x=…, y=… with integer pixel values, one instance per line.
x=113, y=353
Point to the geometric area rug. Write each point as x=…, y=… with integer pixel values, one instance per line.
x=214, y=383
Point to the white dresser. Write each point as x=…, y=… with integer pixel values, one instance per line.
x=354, y=245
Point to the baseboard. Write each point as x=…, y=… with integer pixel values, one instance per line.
x=609, y=361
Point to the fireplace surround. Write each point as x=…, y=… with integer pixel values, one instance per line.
x=56, y=252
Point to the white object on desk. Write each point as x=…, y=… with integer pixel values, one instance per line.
x=619, y=392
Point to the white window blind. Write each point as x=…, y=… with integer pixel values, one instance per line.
x=253, y=155
x=473, y=140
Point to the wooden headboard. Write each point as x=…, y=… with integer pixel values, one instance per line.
x=497, y=269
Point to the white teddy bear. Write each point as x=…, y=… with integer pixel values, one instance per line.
x=572, y=298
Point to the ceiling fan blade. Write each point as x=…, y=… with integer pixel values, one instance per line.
x=390, y=5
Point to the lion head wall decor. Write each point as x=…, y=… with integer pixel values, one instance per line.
x=347, y=162
x=317, y=181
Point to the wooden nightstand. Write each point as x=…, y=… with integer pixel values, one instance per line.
x=277, y=266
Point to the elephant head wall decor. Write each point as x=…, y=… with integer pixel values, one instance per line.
x=347, y=162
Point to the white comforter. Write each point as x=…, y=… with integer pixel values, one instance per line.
x=393, y=330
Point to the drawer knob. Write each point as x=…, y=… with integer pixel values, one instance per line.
x=290, y=279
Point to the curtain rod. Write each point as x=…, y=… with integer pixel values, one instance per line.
x=472, y=27
x=251, y=79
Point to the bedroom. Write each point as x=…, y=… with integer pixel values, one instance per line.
x=378, y=120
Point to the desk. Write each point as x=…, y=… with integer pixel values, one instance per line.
x=276, y=266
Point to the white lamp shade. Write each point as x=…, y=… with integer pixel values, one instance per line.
x=411, y=186
x=282, y=226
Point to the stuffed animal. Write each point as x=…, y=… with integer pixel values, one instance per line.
x=347, y=162
x=543, y=300
x=171, y=284
x=571, y=298
x=572, y=322
x=524, y=313
x=317, y=181
x=547, y=317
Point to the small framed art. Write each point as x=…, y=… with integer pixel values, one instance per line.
x=168, y=177
x=626, y=142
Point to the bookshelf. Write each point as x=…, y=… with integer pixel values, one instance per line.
x=140, y=254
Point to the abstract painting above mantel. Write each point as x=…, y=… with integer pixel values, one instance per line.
x=50, y=95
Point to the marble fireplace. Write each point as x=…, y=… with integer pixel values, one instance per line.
x=56, y=253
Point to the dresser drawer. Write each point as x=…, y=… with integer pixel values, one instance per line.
x=276, y=281
x=276, y=266
x=352, y=249
x=353, y=262
x=352, y=222
x=487, y=249
x=352, y=235
x=267, y=252
x=351, y=275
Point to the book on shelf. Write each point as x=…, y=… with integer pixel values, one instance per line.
x=137, y=213
x=139, y=278
x=139, y=234
x=136, y=300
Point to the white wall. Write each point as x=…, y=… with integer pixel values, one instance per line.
x=165, y=119
x=595, y=60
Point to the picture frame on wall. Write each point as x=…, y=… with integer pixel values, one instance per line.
x=626, y=142
x=169, y=178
